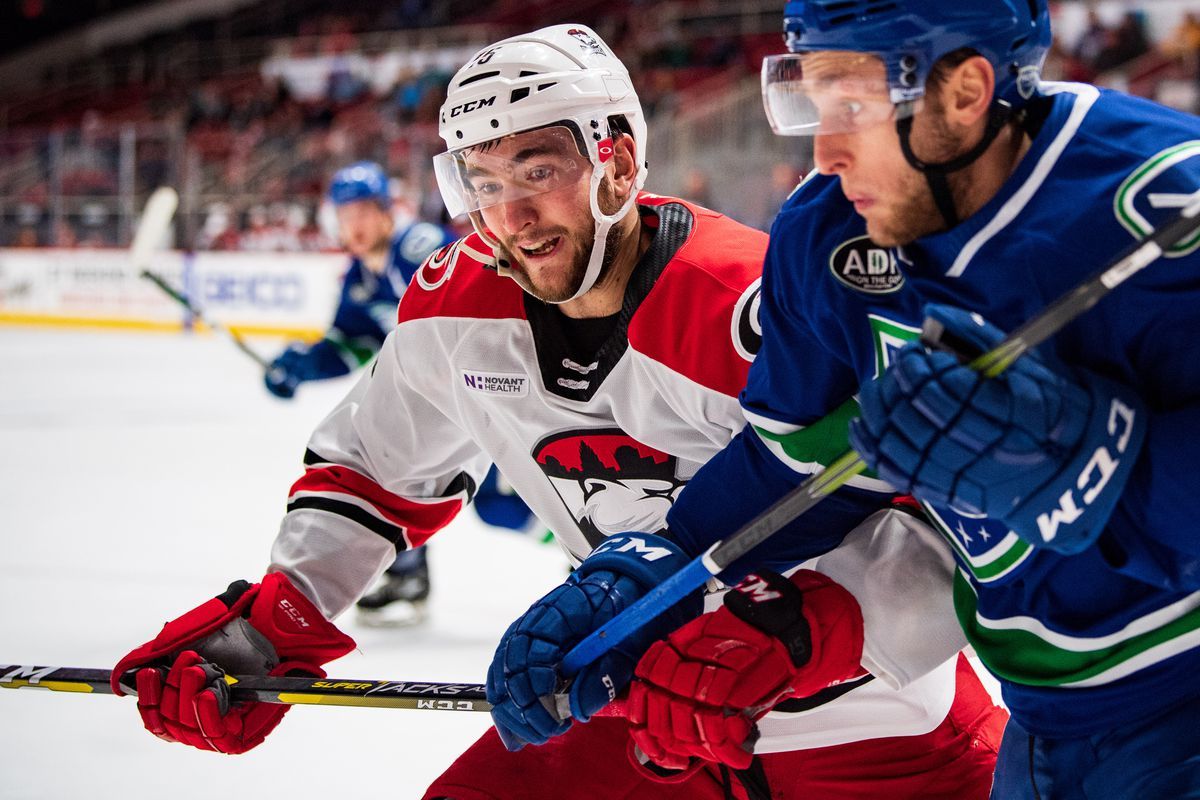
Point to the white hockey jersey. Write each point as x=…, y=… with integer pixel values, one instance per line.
x=477, y=371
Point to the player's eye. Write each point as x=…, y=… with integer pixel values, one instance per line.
x=540, y=174
x=486, y=188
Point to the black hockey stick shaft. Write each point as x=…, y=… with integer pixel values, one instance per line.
x=182, y=299
x=1178, y=232
x=1080, y=299
x=416, y=695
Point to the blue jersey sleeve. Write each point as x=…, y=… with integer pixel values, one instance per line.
x=1142, y=336
x=366, y=310
x=365, y=315
x=741, y=482
x=1152, y=320
x=413, y=245
x=798, y=400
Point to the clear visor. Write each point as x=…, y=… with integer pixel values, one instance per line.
x=510, y=168
x=807, y=94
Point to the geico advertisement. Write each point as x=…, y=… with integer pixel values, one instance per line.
x=286, y=292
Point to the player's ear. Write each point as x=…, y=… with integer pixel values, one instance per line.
x=967, y=92
x=624, y=165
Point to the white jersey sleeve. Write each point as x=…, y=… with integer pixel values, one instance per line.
x=383, y=472
x=901, y=572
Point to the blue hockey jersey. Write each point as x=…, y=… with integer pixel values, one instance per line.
x=366, y=311
x=1080, y=643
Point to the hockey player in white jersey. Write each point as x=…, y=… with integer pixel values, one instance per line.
x=591, y=340
x=383, y=259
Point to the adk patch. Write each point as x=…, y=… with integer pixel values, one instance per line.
x=866, y=267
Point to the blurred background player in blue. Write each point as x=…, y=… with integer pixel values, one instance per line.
x=384, y=258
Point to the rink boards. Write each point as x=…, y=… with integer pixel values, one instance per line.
x=285, y=294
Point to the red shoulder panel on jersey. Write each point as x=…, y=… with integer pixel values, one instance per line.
x=340, y=490
x=455, y=282
x=701, y=318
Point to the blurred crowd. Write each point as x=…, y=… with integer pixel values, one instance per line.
x=1103, y=48
x=251, y=149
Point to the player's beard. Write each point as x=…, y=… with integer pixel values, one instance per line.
x=915, y=213
x=562, y=287
x=372, y=252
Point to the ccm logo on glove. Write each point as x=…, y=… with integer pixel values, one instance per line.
x=292, y=613
x=757, y=590
x=632, y=544
x=1121, y=420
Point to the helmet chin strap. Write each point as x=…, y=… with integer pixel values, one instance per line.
x=500, y=257
x=936, y=175
x=603, y=223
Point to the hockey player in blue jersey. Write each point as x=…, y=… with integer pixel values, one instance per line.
x=950, y=175
x=953, y=184
x=383, y=261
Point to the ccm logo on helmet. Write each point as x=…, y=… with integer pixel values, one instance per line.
x=467, y=108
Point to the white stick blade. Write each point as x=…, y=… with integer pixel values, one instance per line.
x=156, y=219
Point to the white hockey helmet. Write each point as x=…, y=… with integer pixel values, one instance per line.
x=560, y=76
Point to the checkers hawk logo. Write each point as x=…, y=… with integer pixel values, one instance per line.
x=610, y=482
x=866, y=267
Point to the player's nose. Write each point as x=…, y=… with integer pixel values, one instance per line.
x=517, y=213
x=831, y=153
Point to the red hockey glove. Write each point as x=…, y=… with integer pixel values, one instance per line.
x=700, y=692
x=267, y=628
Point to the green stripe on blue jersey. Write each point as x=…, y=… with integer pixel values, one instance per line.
x=1023, y=650
x=808, y=449
x=354, y=352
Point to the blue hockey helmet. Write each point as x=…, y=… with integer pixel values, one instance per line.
x=364, y=180
x=911, y=35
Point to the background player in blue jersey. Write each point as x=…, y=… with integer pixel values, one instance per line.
x=954, y=184
x=383, y=261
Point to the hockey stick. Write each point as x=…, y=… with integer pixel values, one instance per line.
x=156, y=217
x=264, y=689
x=175, y=294
x=816, y=488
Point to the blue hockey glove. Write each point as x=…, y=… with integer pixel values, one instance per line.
x=1046, y=452
x=288, y=371
x=321, y=360
x=524, y=676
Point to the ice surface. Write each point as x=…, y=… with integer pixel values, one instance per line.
x=139, y=475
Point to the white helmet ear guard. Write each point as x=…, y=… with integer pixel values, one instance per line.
x=560, y=75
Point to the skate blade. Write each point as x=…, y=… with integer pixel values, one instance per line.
x=400, y=614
